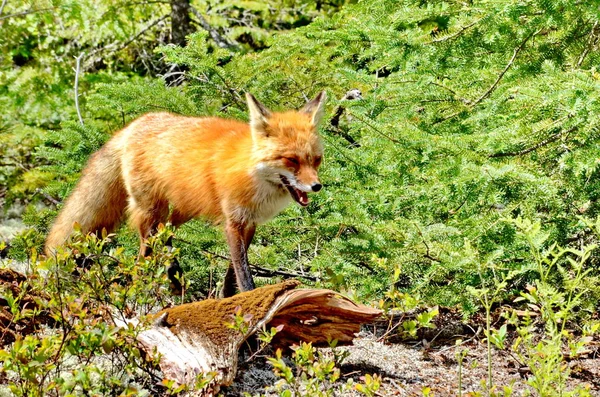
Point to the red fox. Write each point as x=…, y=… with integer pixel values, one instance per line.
x=223, y=170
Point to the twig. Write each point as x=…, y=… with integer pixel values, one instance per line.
x=545, y=142
x=458, y=33
x=132, y=39
x=508, y=65
x=47, y=196
x=350, y=159
x=77, y=70
x=221, y=41
x=428, y=253
x=588, y=44
x=2, y=6
x=456, y=96
x=476, y=333
x=23, y=13
x=377, y=130
x=263, y=272
x=351, y=95
x=259, y=271
x=491, y=89
x=141, y=32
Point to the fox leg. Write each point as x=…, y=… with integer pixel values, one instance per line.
x=146, y=221
x=174, y=271
x=229, y=281
x=239, y=237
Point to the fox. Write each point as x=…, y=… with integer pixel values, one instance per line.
x=164, y=167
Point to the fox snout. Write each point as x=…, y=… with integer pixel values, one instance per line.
x=308, y=178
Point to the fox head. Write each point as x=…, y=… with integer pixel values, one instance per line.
x=287, y=146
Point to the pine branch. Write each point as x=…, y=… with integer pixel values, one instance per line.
x=377, y=130
x=543, y=143
x=492, y=88
x=455, y=34
x=508, y=65
x=590, y=42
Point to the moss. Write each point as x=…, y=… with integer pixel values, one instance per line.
x=212, y=316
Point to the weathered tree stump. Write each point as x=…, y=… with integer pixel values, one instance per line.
x=197, y=338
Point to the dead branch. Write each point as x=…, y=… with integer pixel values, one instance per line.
x=221, y=41
x=2, y=6
x=264, y=272
x=351, y=95
x=131, y=39
x=76, y=87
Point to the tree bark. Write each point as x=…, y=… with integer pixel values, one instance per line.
x=181, y=22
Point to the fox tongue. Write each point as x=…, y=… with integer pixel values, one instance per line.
x=298, y=195
x=302, y=197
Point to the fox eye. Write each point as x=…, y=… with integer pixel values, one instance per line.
x=318, y=160
x=292, y=160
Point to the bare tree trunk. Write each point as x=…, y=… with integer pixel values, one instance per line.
x=181, y=22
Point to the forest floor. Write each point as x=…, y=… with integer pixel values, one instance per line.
x=410, y=369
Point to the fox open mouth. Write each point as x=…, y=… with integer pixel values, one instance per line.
x=298, y=195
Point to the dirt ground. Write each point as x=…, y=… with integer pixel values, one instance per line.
x=408, y=369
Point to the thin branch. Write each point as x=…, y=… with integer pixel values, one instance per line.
x=456, y=96
x=456, y=34
x=76, y=87
x=350, y=159
x=427, y=255
x=377, y=130
x=545, y=142
x=588, y=44
x=2, y=6
x=131, y=40
x=47, y=196
x=351, y=95
x=489, y=91
x=23, y=13
x=508, y=65
x=259, y=271
x=221, y=41
x=263, y=272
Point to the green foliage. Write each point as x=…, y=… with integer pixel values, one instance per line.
x=462, y=125
x=79, y=293
x=472, y=155
x=471, y=114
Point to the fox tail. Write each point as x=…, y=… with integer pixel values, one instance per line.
x=98, y=201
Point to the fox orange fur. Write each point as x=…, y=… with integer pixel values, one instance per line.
x=223, y=170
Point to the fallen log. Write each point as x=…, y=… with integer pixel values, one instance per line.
x=196, y=338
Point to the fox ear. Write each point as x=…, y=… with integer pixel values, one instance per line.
x=315, y=107
x=259, y=115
